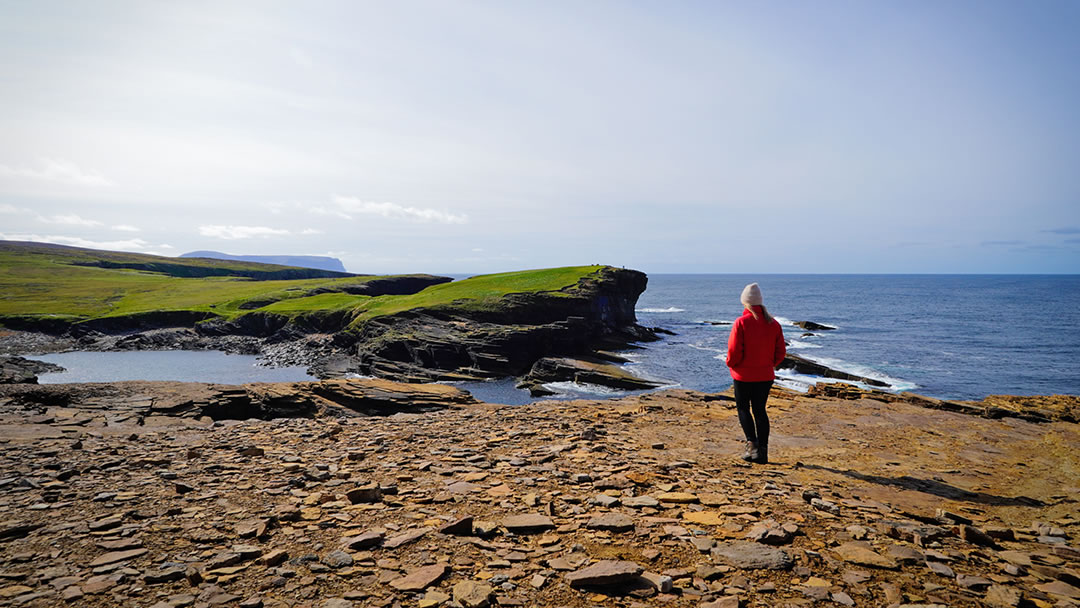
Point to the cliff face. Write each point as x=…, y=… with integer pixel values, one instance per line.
x=414, y=327
x=459, y=343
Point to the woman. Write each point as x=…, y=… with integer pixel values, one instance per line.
x=755, y=349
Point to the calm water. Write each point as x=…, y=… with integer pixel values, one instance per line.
x=947, y=336
x=180, y=365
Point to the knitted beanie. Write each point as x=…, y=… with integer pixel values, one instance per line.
x=751, y=295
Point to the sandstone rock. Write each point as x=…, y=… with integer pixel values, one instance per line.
x=433, y=598
x=117, y=556
x=462, y=526
x=337, y=559
x=660, y=582
x=640, y=502
x=17, y=529
x=727, y=601
x=420, y=578
x=404, y=539
x=528, y=523
x=606, y=572
x=999, y=596
x=612, y=522
x=472, y=594
x=976, y=536
x=705, y=518
x=752, y=556
x=941, y=569
x=771, y=533
x=862, y=555
x=677, y=497
x=274, y=557
x=364, y=494
x=363, y=541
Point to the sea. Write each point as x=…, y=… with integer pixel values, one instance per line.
x=957, y=337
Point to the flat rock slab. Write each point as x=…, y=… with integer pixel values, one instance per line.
x=463, y=526
x=752, y=556
x=607, y=572
x=705, y=518
x=612, y=522
x=471, y=594
x=855, y=553
x=420, y=578
x=680, y=498
x=404, y=539
x=530, y=522
x=117, y=556
x=366, y=540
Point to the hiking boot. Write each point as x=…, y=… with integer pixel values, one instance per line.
x=751, y=453
x=762, y=456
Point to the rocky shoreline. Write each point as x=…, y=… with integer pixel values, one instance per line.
x=458, y=343
x=133, y=494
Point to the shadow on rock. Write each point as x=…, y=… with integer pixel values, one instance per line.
x=937, y=488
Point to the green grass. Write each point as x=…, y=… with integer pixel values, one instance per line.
x=40, y=281
x=318, y=302
x=45, y=281
x=481, y=292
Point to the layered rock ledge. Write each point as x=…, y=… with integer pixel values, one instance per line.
x=635, y=502
x=482, y=337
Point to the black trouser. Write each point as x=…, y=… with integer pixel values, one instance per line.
x=750, y=398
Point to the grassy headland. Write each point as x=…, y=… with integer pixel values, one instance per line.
x=40, y=282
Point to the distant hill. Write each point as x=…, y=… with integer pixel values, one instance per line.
x=318, y=262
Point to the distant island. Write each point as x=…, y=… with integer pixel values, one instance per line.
x=318, y=262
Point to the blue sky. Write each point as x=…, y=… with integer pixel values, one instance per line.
x=462, y=137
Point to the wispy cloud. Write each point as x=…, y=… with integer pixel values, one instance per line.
x=124, y=245
x=1064, y=230
x=317, y=210
x=126, y=228
x=232, y=233
x=56, y=170
x=351, y=204
x=69, y=219
x=1003, y=243
x=311, y=231
x=13, y=210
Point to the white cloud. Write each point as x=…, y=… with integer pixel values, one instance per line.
x=126, y=228
x=329, y=212
x=128, y=245
x=56, y=170
x=12, y=209
x=311, y=231
x=70, y=219
x=240, y=232
x=394, y=211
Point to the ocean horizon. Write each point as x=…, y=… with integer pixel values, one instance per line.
x=951, y=336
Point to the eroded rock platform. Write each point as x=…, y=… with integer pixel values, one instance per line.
x=638, y=502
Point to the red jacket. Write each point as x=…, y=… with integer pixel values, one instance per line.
x=755, y=348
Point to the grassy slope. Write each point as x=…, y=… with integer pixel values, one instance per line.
x=43, y=282
x=475, y=293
